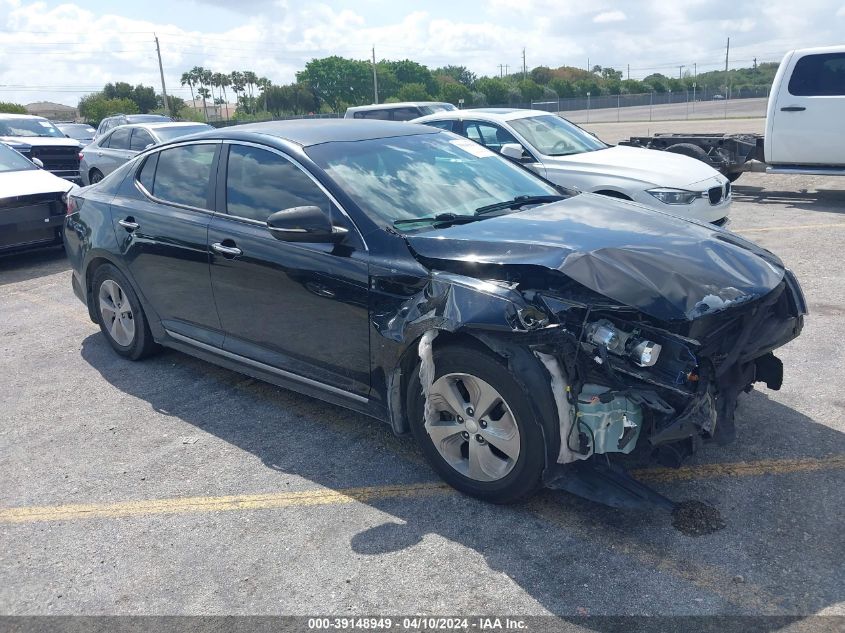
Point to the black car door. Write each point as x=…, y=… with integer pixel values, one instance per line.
x=162, y=234
x=299, y=307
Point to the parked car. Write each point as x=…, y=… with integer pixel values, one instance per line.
x=404, y=111
x=82, y=132
x=114, y=148
x=111, y=122
x=37, y=138
x=32, y=209
x=569, y=155
x=523, y=333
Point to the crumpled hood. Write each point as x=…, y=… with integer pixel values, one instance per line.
x=662, y=169
x=665, y=266
x=30, y=182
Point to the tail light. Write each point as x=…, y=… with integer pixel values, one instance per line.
x=71, y=204
x=81, y=155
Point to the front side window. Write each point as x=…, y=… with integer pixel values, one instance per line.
x=405, y=114
x=554, y=136
x=147, y=173
x=407, y=177
x=488, y=134
x=382, y=115
x=140, y=140
x=819, y=76
x=119, y=139
x=259, y=183
x=449, y=126
x=183, y=175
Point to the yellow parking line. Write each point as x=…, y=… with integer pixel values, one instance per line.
x=742, y=469
x=216, y=504
x=794, y=227
x=329, y=497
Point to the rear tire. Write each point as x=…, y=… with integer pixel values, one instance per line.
x=489, y=472
x=95, y=176
x=119, y=314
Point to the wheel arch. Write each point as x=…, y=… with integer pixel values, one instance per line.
x=525, y=367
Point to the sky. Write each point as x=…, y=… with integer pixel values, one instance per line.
x=59, y=51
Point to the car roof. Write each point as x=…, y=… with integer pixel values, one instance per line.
x=487, y=114
x=4, y=115
x=306, y=132
x=400, y=104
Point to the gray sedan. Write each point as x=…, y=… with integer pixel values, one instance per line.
x=122, y=143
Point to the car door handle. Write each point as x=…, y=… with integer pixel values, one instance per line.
x=793, y=109
x=232, y=251
x=129, y=224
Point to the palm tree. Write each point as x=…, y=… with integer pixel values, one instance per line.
x=188, y=79
x=206, y=80
x=238, y=83
x=265, y=84
x=251, y=79
x=199, y=74
x=221, y=80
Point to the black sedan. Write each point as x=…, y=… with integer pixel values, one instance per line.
x=524, y=334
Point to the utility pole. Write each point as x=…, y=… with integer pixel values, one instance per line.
x=629, y=71
x=727, y=51
x=501, y=70
x=695, y=70
x=680, y=68
x=524, y=67
x=161, y=72
x=507, y=69
x=375, y=78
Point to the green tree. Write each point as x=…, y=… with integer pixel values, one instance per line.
x=145, y=98
x=188, y=80
x=413, y=92
x=461, y=74
x=542, y=75
x=338, y=81
x=609, y=73
x=96, y=107
x=410, y=72
x=12, y=108
x=530, y=90
x=563, y=87
x=453, y=92
x=494, y=89
x=657, y=82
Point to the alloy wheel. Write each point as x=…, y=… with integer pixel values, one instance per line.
x=116, y=313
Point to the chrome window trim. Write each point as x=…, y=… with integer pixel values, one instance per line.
x=264, y=367
x=291, y=159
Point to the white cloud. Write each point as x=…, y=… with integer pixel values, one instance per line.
x=841, y=12
x=610, y=16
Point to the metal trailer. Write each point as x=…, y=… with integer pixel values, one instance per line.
x=730, y=154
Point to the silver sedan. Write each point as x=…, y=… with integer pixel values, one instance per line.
x=124, y=142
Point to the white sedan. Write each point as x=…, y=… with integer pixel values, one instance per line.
x=567, y=155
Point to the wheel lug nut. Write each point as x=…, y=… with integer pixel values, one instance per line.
x=460, y=420
x=470, y=411
x=483, y=424
x=479, y=439
x=465, y=435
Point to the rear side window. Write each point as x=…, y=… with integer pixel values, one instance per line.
x=259, y=183
x=383, y=115
x=147, y=173
x=119, y=139
x=405, y=114
x=819, y=75
x=183, y=175
x=443, y=125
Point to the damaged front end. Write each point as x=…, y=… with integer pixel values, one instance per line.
x=645, y=346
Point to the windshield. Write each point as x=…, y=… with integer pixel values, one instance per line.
x=10, y=160
x=29, y=127
x=437, y=107
x=554, y=136
x=170, y=133
x=79, y=131
x=407, y=177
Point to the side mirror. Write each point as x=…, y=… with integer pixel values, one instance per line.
x=304, y=224
x=38, y=163
x=516, y=152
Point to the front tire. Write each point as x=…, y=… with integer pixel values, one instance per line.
x=485, y=441
x=119, y=314
x=95, y=176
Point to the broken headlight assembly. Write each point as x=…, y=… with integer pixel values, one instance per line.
x=642, y=352
x=667, y=195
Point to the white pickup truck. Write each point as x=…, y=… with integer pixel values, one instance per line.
x=805, y=123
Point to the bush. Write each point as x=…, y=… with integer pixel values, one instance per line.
x=413, y=92
x=12, y=108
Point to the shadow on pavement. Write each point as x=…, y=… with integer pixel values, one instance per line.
x=827, y=200
x=32, y=264
x=784, y=532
